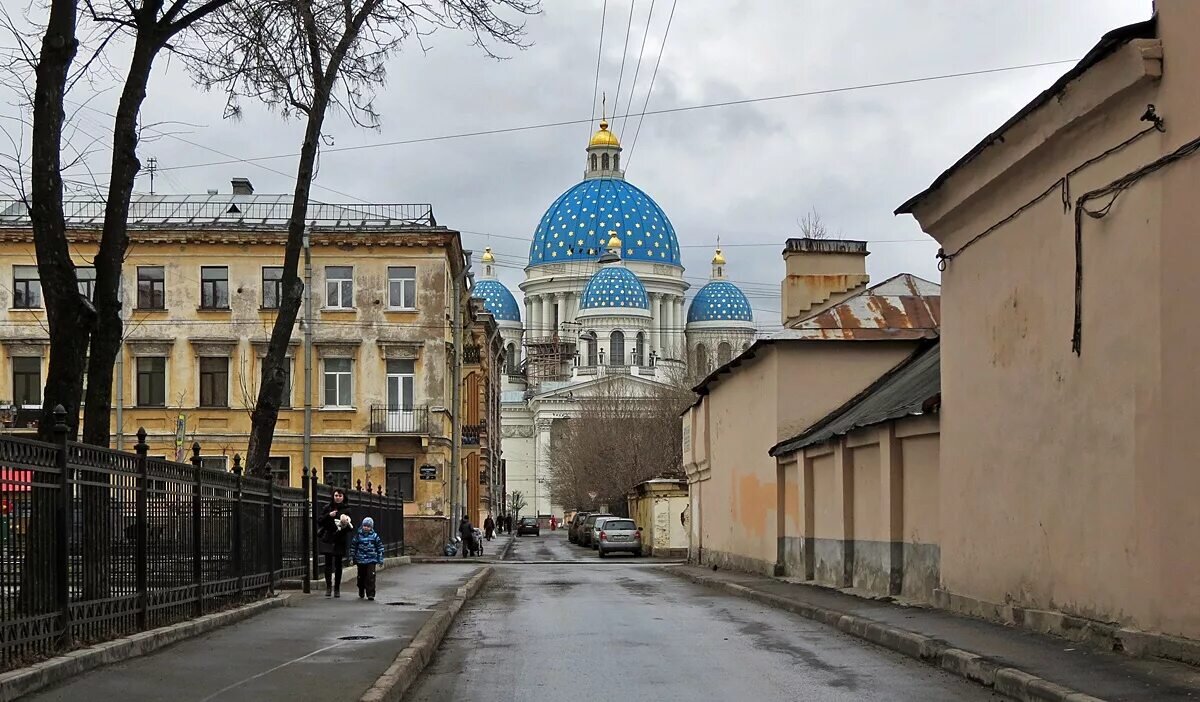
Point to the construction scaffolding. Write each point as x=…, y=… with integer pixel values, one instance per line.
x=550, y=358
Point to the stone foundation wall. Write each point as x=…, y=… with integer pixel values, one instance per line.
x=425, y=536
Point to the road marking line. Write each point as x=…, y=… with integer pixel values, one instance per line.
x=239, y=683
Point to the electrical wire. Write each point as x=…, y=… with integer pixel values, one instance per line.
x=638, y=69
x=653, y=76
x=599, y=54
x=643, y=113
x=624, y=54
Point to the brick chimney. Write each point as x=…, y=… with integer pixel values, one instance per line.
x=242, y=186
x=817, y=271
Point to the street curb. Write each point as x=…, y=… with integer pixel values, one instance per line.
x=24, y=681
x=977, y=668
x=407, y=667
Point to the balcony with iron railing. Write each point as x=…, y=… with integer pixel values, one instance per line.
x=471, y=434
x=389, y=419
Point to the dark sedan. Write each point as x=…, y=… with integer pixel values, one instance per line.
x=527, y=526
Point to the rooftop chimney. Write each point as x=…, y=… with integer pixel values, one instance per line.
x=242, y=186
x=817, y=271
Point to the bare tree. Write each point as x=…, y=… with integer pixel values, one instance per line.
x=302, y=57
x=516, y=503
x=812, y=226
x=626, y=434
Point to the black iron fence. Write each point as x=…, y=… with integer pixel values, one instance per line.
x=96, y=543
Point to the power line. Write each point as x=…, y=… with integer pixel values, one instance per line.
x=624, y=54
x=638, y=69
x=654, y=75
x=599, y=53
x=643, y=113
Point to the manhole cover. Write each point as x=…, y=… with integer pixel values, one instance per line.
x=402, y=604
x=354, y=638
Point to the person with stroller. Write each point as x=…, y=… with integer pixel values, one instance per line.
x=466, y=532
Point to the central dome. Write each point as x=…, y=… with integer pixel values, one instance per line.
x=614, y=286
x=576, y=226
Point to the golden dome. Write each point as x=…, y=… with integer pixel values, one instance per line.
x=487, y=255
x=614, y=241
x=718, y=258
x=603, y=137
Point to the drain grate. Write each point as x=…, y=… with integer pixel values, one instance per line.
x=358, y=637
x=402, y=604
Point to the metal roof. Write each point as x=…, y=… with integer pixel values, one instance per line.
x=230, y=211
x=901, y=392
x=1109, y=43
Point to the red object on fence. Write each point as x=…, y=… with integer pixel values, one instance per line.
x=13, y=480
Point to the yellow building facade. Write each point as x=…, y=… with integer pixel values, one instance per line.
x=201, y=287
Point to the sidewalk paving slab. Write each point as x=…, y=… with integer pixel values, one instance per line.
x=1009, y=655
x=329, y=649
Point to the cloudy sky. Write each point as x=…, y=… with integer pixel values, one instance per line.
x=745, y=173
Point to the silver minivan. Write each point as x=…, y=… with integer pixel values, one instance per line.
x=619, y=534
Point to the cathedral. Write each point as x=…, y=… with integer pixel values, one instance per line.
x=605, y=301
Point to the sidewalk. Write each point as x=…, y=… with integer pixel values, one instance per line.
x=1106, y=676
x=317, y=648
x=495, y=550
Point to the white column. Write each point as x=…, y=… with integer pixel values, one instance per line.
x=672, y=323
x=680, y=352
x=652, y=341
x=533, y=320
x=547, y=314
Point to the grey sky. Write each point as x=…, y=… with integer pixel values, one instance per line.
x=746, y=173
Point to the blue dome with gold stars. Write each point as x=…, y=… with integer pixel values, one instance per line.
x=577, y=225
x=720, y=301
x=498, y=300
x=614, y=286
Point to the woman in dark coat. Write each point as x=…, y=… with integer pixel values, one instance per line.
x=332, y=541
x=489, y=526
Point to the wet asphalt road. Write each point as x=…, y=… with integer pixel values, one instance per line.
x=622, y=629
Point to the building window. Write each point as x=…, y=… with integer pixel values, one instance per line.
x=402, y=287
x=281, y=470
x=272, y=277
x=214, y=462
x=151, y=288
x=85, y=277
x=401, y=384
x=27, y=288
x=514, y=363
x=336, y=472
x=604, y=162
x=338, y=382
x=152, y=381
x=724, y=353
x=287, y=382
x=339, y=287
x=214, y=382
x=593, y=162
x=639, y=350
x=214, y=287
x=616, y=162
x=616, y=349
x=593, y=347
x=27, y=380
x=702, y=359
x=400, y=478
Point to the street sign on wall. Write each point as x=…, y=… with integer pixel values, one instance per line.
x=428, y=472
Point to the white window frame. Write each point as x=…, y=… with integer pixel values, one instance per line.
x=406, y=301
x=348, y=379
x=344, y=288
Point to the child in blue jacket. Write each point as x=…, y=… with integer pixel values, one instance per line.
x=367, y=551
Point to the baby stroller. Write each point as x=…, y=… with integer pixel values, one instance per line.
x=476, y=545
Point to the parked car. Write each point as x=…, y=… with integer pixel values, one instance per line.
x=573, y=526
x=528, y=525
x=584, y=535
x=594, y=539
x=618, y=535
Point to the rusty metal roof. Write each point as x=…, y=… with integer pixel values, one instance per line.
x=901, y=308
x=904, y=391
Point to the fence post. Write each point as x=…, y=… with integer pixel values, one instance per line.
x=237, y=526
x=311, y=498
x=197, y=529
x=143, y=530
x=62, y=563
x=306, y=547
x=271, y=535
x=400, y=502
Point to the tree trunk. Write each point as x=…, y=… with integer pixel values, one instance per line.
x=270, y=387
x=66, y=312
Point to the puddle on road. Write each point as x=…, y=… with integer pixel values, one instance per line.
x=357, y=637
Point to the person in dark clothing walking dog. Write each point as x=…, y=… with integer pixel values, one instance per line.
x=367, y=552
x=333, y=532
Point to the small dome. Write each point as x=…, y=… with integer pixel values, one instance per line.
x=720, y=301
x=488, y=256
x=603, y=137
x=718, y=258
x=614, y=286
x=498, y=300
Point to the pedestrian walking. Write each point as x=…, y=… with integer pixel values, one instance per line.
x=489, y=527
x=367, y=551
x=508, y=523
x=467, y=533
x=333, y=532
